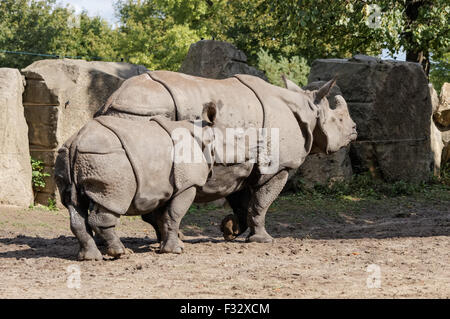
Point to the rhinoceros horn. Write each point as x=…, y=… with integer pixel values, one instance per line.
x=325, y=90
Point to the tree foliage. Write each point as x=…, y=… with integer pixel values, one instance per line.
x=321, y=28
x=440, y=72
x=158, y=33
x=40, y=26
x=295, y=68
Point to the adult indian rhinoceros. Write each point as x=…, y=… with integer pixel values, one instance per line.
x=304, y=120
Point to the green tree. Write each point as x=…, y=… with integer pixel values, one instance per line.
x=41, y=26
x=440, y=72
x=91, y=39
x=158, y=33
x=250, y=26
x=425, y=29
x=322, y=28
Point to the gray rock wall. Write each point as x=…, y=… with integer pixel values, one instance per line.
x=217, y=60
x=391, y=105
x=15, y=167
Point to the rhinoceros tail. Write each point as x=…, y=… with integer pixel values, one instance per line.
x=70, y=196
x=62, y=175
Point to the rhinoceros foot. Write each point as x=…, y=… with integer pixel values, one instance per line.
x=117, y=251
x=90, y=254
x=171, y=246
x=230, y=227
x=260, y=238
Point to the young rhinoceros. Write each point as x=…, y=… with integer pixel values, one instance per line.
x=115, y=166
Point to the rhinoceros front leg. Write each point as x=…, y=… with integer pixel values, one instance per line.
x=262, y=198
x=176, y=209
x=103, y=222
x=80, y=228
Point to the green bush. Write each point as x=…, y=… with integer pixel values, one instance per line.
x=38, y=177
x=365, y=186
x=38, y=182
x=296, y=68
x=52, y=204
x=445, y=174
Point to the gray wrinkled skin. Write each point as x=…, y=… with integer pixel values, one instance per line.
x=305, y=122
x=115, y=166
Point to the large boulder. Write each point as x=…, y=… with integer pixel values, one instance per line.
x=60, y=97
x=442, y=121
x=445, y=157
x=391, y=105
x=437, y=143
x=15, y=167
x=326, y=169
x=437, y=146
x=442, y=114
x=435, y=101
x=217, y=60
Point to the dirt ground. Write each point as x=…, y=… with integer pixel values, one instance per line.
x=347, y=248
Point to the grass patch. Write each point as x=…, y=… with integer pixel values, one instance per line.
x=362, y=192
x=365, y=187
x=200, y=209
x=51, y=207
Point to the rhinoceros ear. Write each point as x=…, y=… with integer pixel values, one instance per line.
x=209, y=112
x=290, y=85
x=325, y=90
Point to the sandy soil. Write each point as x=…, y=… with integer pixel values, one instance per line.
x=326, y=253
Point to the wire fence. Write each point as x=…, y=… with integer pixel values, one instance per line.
x=59, y=56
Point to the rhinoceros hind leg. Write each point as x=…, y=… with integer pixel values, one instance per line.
x=80, y=228
x=171, y=218
x=262, y=198
x=103, y=222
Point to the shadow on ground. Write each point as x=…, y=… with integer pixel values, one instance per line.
x=288, y=217
x=65, y=247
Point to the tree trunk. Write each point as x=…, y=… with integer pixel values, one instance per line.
x=414, y=53
x=421, y=57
